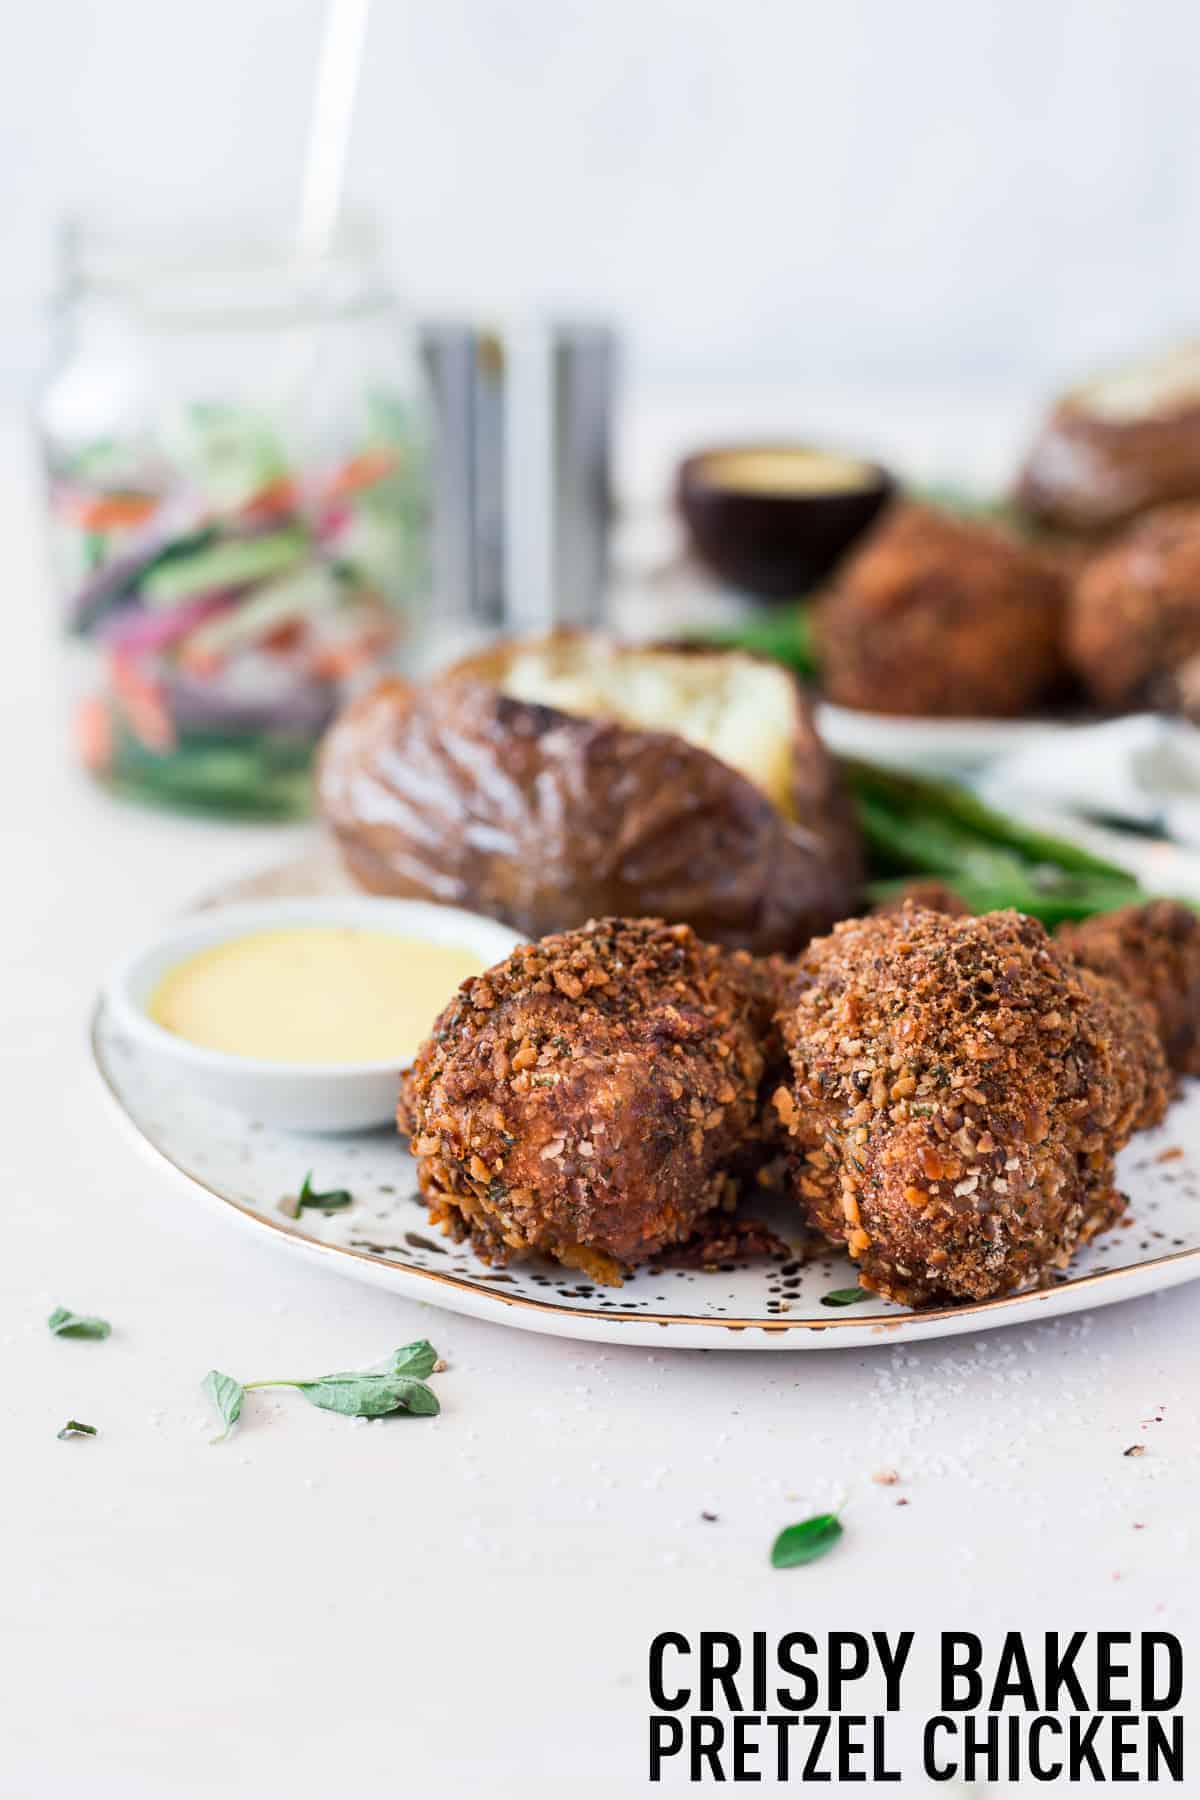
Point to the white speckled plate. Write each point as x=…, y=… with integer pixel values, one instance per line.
x=247, y=1170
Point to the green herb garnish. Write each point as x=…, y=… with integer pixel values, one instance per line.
x=367, y=1394
x=364, y=1396
x=419, y=1359
x=226, y=1395
x=330, y=1201
x=844, y=1297
x=65, y=1323
x=74, y=1428
x=803, y=1543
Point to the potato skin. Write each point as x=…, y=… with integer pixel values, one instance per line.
x=937, y=616
x=592, y=1096
x=1134, y=617
x=959, y=1088
x=455, y=792
x=1089, y=474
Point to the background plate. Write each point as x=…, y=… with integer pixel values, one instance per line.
x=249, y=1171
x=934, y=746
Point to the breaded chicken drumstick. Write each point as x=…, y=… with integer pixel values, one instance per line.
x=959, y=1088
x=593, y=1096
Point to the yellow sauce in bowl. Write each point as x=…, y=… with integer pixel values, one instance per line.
x=788, y=473
x=313, y=994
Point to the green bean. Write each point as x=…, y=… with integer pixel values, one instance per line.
x=784, y=634
x=909, y=794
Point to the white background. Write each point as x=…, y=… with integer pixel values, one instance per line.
x=757, y=189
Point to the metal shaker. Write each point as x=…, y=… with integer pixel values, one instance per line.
x=522, y=474
x=464, y=367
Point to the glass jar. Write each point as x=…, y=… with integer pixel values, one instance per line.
x=237, y=473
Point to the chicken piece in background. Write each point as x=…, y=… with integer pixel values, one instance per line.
x=1154, y=952
x=942, y=617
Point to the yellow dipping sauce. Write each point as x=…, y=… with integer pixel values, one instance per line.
x=313, y=994
x=782, y=471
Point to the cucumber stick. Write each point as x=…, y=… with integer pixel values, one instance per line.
x=312, y=589
x=232, y=563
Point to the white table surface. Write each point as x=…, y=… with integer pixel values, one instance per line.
x=463, y=1606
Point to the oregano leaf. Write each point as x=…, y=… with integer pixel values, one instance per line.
x=803, y=1543
x=65, y=1323
x=227, y=1396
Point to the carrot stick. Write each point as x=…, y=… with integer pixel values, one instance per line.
x=93, y=734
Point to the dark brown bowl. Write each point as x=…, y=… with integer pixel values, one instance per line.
x=778, y=539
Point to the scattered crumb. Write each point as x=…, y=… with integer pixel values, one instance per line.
x=720, y=1239
x=885, y=1477
x=1171, y=1155
x=902, y=1501
x=709, y=1518
x=1137, y=1526
x=440, y=1366
x=1135, y=1450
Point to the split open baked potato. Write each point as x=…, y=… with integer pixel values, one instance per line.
x=550, y=781
x=1116, y=445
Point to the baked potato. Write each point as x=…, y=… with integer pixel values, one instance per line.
x=1116, y=445
x=550, y=781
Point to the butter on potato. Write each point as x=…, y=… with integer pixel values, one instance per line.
x=738, y=710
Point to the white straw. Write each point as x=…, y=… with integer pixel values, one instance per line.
x=332, y=121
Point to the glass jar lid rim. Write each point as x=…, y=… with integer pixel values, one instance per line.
x=207, y=281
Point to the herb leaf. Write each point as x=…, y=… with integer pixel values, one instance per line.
x=226, y=1395
x=803, y=1543
x=73, y=1428
x=370, y=1396
x=365, y=1394
x=844, y=1297
x=331, y=1201
x=414, y=1359
x=65, y=1323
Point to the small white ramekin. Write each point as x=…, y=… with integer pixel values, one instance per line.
x=297, y=1096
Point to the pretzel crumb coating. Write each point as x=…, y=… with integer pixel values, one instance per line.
x=941, y=617
x=1133, y=621
x=1154, y=951
x=926, y=891
x=959, y=1088
x=592, y=1096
